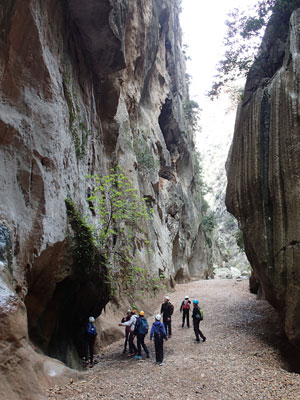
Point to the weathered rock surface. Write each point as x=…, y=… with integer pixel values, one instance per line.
x=263, y=189
x=84, y=86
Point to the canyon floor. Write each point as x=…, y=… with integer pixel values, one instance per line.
x=241, y=358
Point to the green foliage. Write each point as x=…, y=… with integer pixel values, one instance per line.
x=85, y=254
x=118, y=206
x=145, y=159
x=244, y=34
x=120, y=232
x=77, y=125
x=208, y=222
x=240, y=240
x=191, y=111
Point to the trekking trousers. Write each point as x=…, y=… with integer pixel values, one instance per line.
x=197, y=330
x=126, y=340
x=159, y=348
x=132, y=347
x=186, y=314
x=140, y=344
x=168, y=326
x=90, y=347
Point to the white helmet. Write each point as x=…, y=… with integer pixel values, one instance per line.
x=167, y=297
x=128, y=311
x=158, y=317
x=186, y=297
x=91, y=319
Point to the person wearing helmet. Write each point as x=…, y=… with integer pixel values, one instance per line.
x=185, y=309
x=159, y=332
x=166, y=310
x=127, y=329
x=197, y=317
x=141, y=330
x=131, y=323
x=91, y=338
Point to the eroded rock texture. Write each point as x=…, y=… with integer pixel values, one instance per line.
x=85, y=85
x=263, y=170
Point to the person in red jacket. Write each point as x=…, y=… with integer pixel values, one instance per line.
x=127, y=329
x=131, y=323
x=185, y=309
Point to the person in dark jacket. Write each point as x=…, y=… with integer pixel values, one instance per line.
x=140, y=326
x=167, y=310
x=127, y=329
x=185, y=309
x=159, y=332
x=91, y=338
x=196, y=321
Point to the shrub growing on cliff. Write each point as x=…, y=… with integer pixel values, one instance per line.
x=240, y=240
x=122, y=215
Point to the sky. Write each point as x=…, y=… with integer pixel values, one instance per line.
x=203, y=25
x=204, y=29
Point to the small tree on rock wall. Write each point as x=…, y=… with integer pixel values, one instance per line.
x=122, y=216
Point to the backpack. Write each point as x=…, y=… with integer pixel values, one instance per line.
x=199, y=315
x=142, y=327
x=186, y=305
x=92, y=329
x=171, y=308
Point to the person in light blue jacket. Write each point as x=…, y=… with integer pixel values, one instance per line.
x=158, y=330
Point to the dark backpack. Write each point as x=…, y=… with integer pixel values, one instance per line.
x=143, y=326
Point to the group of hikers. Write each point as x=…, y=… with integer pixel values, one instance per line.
x=136, y=326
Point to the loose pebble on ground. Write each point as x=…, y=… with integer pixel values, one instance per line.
x=239, y=360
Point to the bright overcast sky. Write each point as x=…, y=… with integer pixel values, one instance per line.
x=203, y=25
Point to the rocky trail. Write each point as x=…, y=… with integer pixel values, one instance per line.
x=240, y=359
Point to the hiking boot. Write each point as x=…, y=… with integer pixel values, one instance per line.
x=204, y=339
x=162, y=363
x=148, y=356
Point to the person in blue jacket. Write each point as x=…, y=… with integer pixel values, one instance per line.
x=159, y=332
x=91, y=338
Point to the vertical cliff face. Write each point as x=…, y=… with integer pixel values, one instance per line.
x=263, y=170
x=86, y=86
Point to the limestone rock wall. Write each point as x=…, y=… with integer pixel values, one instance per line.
x=263, y=170
x=84, y=86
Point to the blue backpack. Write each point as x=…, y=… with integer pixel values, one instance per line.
x=142, y=326
x=92, y=329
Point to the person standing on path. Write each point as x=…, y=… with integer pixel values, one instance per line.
x=166, y=310
x=159, y=332
x=131, y=323
x=197, y=317
x=127, y=329
x=91, y=338
x=185, y=309
x=141, y=330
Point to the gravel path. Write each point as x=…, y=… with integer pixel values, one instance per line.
x=239, y=360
